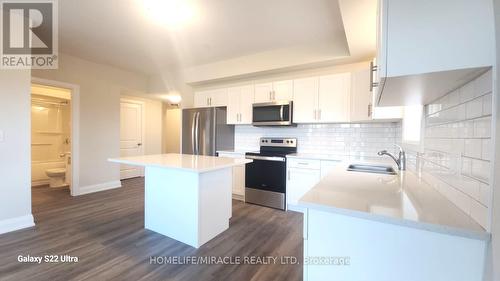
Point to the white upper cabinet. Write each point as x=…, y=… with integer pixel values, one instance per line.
x=239, y=107
x=278, y=90
x=428, y=48
x=334, y=97
x=305, y=100
x=283, y=90
x=362, y=108
x=323, y=99
x=361, y=97
x=210, y=98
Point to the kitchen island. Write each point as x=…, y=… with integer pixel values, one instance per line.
x=187, y=197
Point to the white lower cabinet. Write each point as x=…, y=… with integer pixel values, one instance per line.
x=302, y=175
x=238, y=176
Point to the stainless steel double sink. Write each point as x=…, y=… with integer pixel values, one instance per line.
x=377, y=169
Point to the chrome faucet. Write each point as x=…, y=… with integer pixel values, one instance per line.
x=401, y=161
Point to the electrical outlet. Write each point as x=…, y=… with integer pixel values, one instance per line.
x=1, y=136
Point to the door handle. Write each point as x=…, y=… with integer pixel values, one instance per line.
x=197, y=134
x=193, y=128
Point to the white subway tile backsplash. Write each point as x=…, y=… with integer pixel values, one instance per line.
x=457, y=147
x=473, y=148
x=486, y=149
x=479, y=213
x=467, y=92
x=487, y=105
x=364, y=139
x=480, y=170
x=474, y=108
x=485, y=194
x=484, y=84
x=482, y=127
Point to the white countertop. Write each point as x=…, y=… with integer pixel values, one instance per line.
x=192, y=163
x=234, y=151
x=402, y=199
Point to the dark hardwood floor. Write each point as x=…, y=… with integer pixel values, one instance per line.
x=105, y=231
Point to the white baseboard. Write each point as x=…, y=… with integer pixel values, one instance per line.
x=98, y=187
x=16, y=223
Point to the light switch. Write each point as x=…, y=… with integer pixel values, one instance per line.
x=1, y=136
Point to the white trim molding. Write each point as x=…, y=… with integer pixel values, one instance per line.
x=16, y=223
x=98, y=187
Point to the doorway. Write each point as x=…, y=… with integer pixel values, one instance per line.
x=132, y=130
x=50, y=137
x=55, y=135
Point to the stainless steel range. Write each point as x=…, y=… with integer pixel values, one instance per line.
x=265, y=177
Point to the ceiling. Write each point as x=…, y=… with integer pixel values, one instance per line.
x=120, y=33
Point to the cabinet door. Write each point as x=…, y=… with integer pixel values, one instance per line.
x=283, y=90
x=334, y=97
x=361, y=97
x=263, y=92
x=201, y=99
x=305, y=100
x=246, y=102
x=233, y=105
x=218, y=97
x=299, y=181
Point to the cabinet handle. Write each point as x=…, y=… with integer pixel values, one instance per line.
x=319, y=114
x=270, y=95
x=373, y=68
x=288, y=174
x=370, y=110
x=210, y=101
x=274, y=95
x=314, y=114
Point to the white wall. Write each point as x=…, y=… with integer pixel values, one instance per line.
x=100, y=90
x=172, y=118
x=15, y=155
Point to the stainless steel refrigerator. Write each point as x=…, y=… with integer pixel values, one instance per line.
x=204, y=131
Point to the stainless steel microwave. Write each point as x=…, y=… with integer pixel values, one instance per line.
x=277, y=113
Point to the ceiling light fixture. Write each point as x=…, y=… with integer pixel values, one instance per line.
x=171, y=13
x=173, y=99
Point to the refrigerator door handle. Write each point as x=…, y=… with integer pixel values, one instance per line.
x=193, y=128
x=197, y=134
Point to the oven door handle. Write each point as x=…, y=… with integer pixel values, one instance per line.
x=266, y=158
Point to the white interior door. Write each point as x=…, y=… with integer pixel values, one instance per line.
x=131, y=132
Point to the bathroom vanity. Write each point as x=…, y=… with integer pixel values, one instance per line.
x=187, y=197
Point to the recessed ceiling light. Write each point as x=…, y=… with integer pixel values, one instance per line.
x=171, y=13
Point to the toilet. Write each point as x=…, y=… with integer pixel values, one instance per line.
x=60, y=177
x=56, y=177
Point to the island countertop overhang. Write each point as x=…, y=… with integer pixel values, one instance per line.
x=185, y=162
